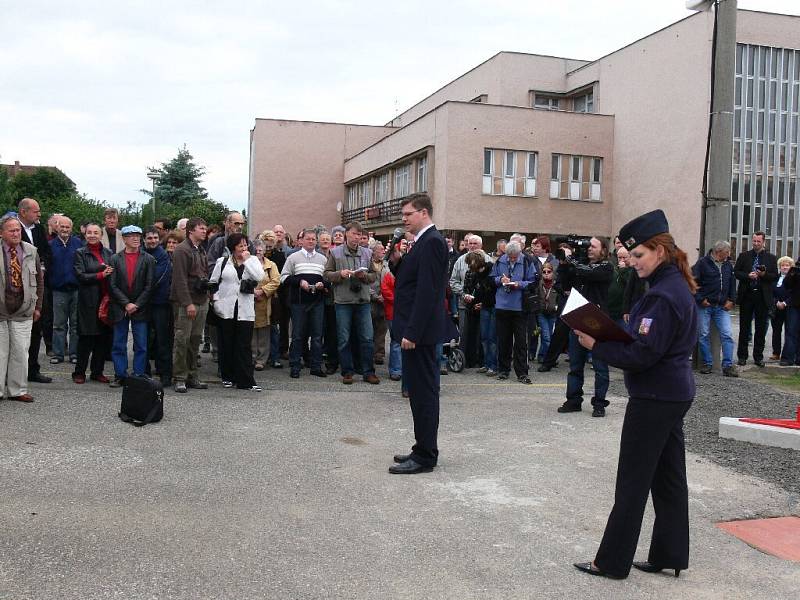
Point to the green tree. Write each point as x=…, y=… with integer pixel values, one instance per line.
x=177, y=182
x=42, y=184
x=5, y=187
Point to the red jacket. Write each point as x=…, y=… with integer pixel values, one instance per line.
x=387, y=291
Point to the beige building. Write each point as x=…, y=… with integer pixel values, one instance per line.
x=533, y=143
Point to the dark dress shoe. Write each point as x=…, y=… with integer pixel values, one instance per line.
x=401, y=458
x=79, y=379
x=544, y=369
x=294, y=374
x=395, y=377
x=759, y=363
x=372, y=378
x=39, y=378
x=318, y=373
x=651, y=568
x=587, y=567
x=741, y=362
x=100, y=378
x=599, y=411
x=331, y=370
x=22, y=398
x=568, y=408
x=409, y=467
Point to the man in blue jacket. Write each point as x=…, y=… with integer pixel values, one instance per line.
x=715, y=296
x=64, y=284
x=161, y=326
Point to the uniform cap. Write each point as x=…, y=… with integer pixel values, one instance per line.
x=643, y=228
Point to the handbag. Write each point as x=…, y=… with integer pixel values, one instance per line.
x=102, y=311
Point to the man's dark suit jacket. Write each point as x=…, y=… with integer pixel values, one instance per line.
x=743, y=267
x=419, y=291
x=42, y=244
x=142, y=286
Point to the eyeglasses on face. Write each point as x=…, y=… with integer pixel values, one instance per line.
x=409, y=213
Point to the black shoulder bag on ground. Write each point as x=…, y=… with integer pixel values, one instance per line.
x=142, y=401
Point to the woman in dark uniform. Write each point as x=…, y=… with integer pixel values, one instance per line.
x=660, y=384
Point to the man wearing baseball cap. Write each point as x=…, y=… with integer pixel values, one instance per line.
x=130, y=287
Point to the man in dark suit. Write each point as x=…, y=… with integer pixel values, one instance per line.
x=33, y=232
x=757, y=272
x=420, y=322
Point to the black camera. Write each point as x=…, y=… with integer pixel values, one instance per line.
x=355, y=285
x=247, y=286
x=579, y=244
x=202, y=285
x=762, y=268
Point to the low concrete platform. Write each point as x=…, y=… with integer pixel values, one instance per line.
x=766, y=435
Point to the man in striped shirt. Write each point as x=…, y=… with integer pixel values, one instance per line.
x=302, y=275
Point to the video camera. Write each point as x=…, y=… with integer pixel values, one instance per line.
x=579, y=244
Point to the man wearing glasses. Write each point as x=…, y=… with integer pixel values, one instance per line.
x=420, y=322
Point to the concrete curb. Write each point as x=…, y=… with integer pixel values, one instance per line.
x=766, y=435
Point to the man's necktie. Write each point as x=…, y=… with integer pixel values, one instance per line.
x=16, y=269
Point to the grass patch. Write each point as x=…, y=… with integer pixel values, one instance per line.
x=789, y=382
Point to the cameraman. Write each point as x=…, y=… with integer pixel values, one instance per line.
x=591, y=277
x=349, y=268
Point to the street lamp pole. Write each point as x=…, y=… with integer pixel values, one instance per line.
x=153, y=177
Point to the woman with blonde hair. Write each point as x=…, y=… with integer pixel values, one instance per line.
x=784, y=316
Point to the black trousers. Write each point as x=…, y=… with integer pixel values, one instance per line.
x=331, y=344
x=470, y=330
x=36, y=335
x=652, y=459
x=235, y=357
x=512, y=337
x=752, y=305
x=159, y=340
x=98, y=347
x=778, y=319
x=558, y=342
x=421, y=373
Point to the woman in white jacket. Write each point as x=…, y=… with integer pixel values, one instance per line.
x=236, y=277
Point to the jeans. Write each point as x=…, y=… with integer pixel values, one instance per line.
x=395, y=355
x=274, y=342
x=355, y=319
x=577, y=360
x=722, y=319
x=306, y=322
x=65, y=308
x=119, y=349
x=791, y=322
x=547, y=324
x=489, y=338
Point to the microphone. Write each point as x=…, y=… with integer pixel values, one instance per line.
x=398, y=233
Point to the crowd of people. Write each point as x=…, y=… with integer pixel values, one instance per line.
x=324, y=300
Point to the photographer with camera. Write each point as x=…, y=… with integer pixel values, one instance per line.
x=301, y=277
x=591, y=276
x=233, y=281
x=189, y=297
x=757, y=272
x=349, y=269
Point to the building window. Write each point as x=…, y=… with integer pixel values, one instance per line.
x=509, y=172
x=381, y=188
x=584, y=181
x=422, y=174
x=583, y=103
x=401, y=180
x=546, y=102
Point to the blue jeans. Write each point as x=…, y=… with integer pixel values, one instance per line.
x=274, y=343
x=577, y=359
x=489, y=338
x=306, y=322
x=65, y=308
x=355, y=319
x=790, y=324
x=119, y=349
x=395, y=355
x=546, y=325
x=722, y=319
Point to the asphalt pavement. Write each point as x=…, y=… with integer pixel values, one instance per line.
x=286, y=494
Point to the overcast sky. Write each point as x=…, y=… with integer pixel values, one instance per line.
x=105, y=89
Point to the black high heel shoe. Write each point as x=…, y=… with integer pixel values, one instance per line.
x=650, y=568
x=588, y=567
